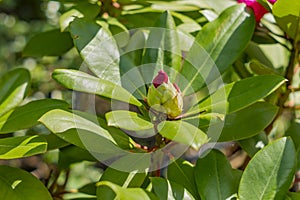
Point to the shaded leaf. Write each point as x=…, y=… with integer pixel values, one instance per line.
x=131, y=76
x=72, y=154
x=55, y=142
x=215, y=178
x=182, y=172
x=163, y=48
x=254, y=144
x=50, y=43
x=167, y=190
x=258, y=116
x=89, y=188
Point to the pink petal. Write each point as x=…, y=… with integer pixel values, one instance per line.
x=257, y=8
x=161, y=78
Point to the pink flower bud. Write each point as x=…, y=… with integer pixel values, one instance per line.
x=164, y=96
x=176, y=87
x=161, y=78
x=272, y=1
x=258, y=9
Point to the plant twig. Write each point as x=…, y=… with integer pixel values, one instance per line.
x=289, y=76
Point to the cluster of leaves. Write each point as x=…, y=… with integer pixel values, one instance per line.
x=233, y=90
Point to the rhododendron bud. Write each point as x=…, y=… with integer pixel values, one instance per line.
x=161, y=78
x=258, y=9
x=165, y=97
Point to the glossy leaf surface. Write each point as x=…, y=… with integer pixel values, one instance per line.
x=271, y=169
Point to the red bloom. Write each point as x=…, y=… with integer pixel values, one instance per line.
x=257, y=8
x=161, y=78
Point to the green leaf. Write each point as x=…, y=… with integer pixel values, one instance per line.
x=232, y=126
x=215, y=178
x=27, y=116
x=127, y=120
x=255, y=51
x=13, y=88
x=81, y=9
x=292, y=196
x=174, y=6
x=270, y=172
x=238, y=95
x=293, y=132
x=167, y=190
x=287, y=15
x=122, y=139
x=121, y=178
x=183, y=132
x=24, y=146
x=126, y=193
x=17, y=184
x=59, y=121
x=83, y=133
x=50, y=43
x=182, y=172
x=89, y=188
x=260, y=69
x=98, y=49
x=217, y=46
x=131, y=76
x=258, y=116
x=72, y=154
x=124, y=179
x=163, y=48
x=80, y=81
x=55, y=142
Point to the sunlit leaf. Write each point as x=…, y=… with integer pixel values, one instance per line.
x=126, y=193
x=80, y=81
x=24, y=146
x=13, y=88
x=97, y=48
x=127, y=120
x=183, y=132
x=270, y=172
x=217, y=46
x=287, y=15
